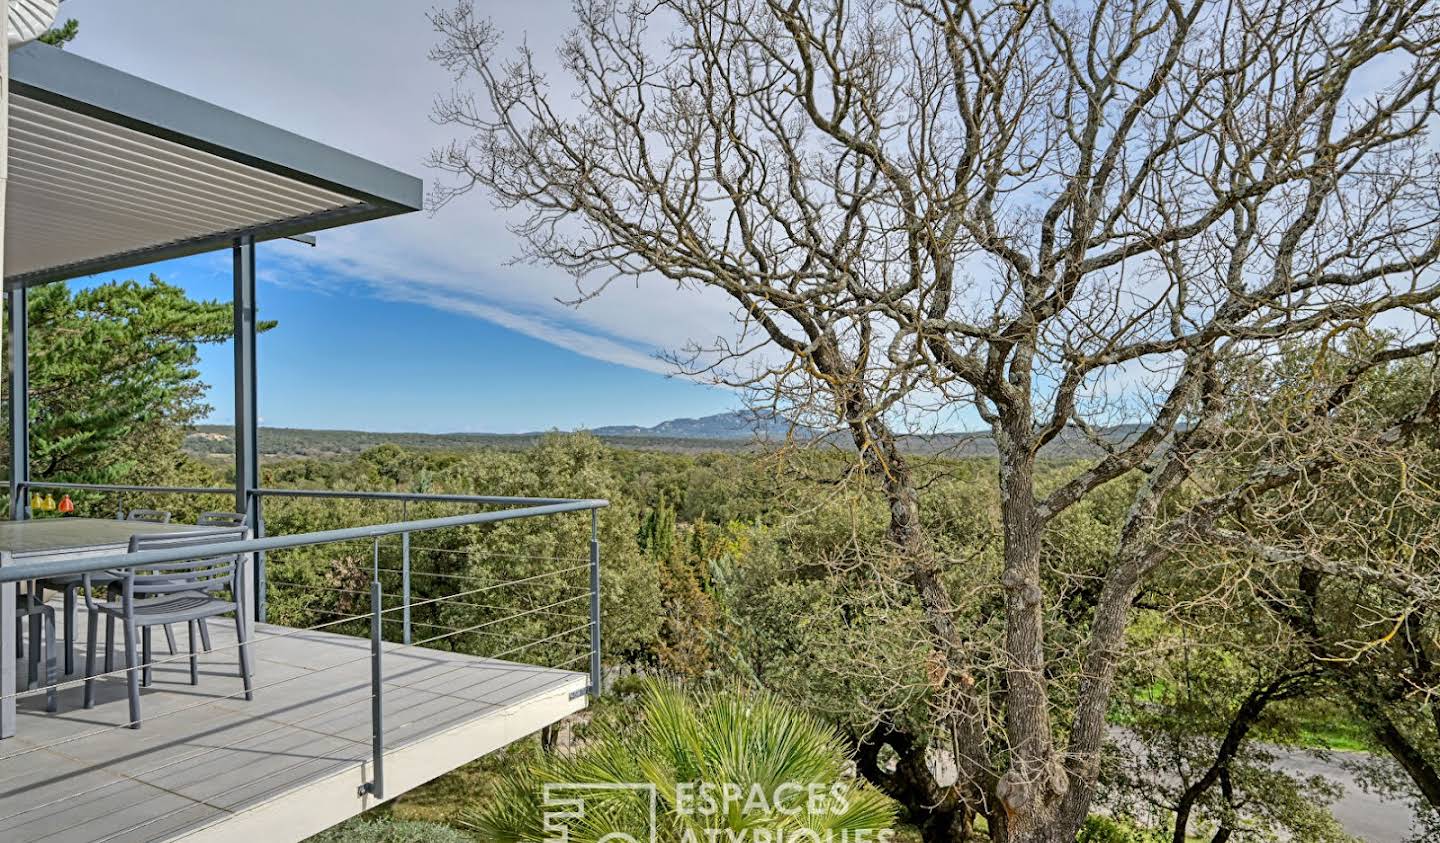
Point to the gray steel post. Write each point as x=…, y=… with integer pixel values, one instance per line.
x=595, y=678
x=7, y=652
x=247, y=443
x=405, y=585
x=376, y=787
x=19, y=404
x=258, y=529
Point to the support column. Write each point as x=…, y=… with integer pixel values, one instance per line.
x=17, y=508
x=17, y=300
x=247, y=418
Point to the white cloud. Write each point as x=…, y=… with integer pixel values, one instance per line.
x=355, y=75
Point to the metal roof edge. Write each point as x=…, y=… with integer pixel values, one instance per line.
x=62, y=78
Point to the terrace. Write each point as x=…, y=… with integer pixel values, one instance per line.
x=374, y=667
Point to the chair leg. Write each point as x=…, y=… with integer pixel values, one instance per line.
x=92, y=641
x=205, y=635
x=244, y=654
x=194, y=658
x=170, y=639
x=37, y=635
x=145, y=656
x=52, y=703
x=71, y=592
x=132, y=674
x=109, y=643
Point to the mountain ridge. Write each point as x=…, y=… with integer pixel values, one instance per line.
x=735, y=431
x=732, y=425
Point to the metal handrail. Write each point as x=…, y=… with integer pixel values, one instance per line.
x=424, y=497
x=106, y=487
x=13, y=573
x=259, y=522
x=60, y=567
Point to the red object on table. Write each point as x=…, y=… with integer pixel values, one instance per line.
x=66, y=505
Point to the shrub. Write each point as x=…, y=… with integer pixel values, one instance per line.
x=390, y=831
x=1098, y=829
x=634, y=777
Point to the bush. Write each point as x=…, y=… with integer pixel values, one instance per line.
x=390, y=831
x=1099, y=829
x=736, y=738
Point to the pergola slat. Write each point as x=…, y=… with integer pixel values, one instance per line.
x=109, y=171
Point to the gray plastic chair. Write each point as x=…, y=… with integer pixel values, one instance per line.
x=212, y=519
x=69, y=586
x=42, y=641
x=174, y=592
x=221, y=519
x=159, y=516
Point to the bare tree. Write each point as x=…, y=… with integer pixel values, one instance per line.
x=1070, y=220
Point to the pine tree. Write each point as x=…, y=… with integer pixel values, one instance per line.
x=113, y=383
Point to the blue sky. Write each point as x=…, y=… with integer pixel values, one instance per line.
x=358, y=361
x=418, y=323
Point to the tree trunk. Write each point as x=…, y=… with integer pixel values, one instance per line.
x=550, y=737
x=938, y=813
x=957, y=710
x=1035, y=779
x=1425, y=776
x=1235, y=735
x=1097, y=679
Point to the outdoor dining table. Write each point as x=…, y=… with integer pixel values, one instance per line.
x=46, y=540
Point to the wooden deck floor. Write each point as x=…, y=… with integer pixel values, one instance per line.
x=207, y=765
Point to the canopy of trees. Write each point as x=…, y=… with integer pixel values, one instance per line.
x=1052, y=219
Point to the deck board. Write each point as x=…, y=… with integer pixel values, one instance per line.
x=208, y=765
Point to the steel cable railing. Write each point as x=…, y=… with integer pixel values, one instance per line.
x=251, y=643
x=328, y=711
x=547, y=610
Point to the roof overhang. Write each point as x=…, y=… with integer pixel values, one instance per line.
x=109, y=171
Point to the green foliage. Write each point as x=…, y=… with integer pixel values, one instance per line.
x=113, y=381
x=390, y=831
x=1099, y=829
x=526, y=579
x=61, y=35
x=680, y=559
x=747, y=739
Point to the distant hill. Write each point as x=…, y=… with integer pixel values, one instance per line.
x=723, y=432
x=279, y=442
x=720, y=426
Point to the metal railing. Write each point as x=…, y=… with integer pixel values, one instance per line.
x=257, y=519
x=256, y=547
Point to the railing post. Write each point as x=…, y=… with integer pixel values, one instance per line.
x=261, y=592
x=376, y=786
x=405, y=574
x=8, y=597
x=595, y=678
x=405, y=585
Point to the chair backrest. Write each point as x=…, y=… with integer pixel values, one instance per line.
x=154, y=516
x=221, y=519
x=204, y=573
